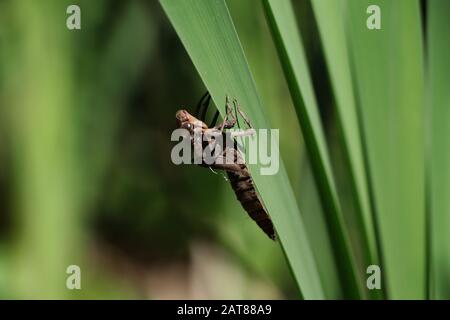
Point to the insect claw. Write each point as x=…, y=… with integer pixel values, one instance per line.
x=226, y=179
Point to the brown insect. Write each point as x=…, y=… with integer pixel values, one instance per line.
x=229, y=158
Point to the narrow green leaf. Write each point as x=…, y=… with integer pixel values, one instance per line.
x=288, y=41
x=439, y=155
x=207, y=32
x=332, y=31
x=388, y=65
x=254, y=33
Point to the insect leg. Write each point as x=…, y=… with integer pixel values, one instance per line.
x=224, y=166
x=204, y=102
x=229, y=111
x=216, y=116
x=227, y=124
x=212, y=170
x=205, y=109
x=243, y=115
x=200, y=104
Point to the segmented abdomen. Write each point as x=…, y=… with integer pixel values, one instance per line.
x=247, y=195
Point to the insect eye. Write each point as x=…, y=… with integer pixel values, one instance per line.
x=188, y=126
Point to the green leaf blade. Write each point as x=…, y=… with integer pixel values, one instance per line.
x=439, y=172
x=388, y=66
x=207, y=32
x=287, y=39
x=332, y=31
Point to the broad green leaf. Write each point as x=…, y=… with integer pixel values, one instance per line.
x=439, y=154
x=207, y=32
x=388, y=66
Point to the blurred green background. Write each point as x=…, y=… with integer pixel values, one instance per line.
x=85, y=170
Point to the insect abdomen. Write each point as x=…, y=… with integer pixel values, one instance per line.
x=247, y=195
